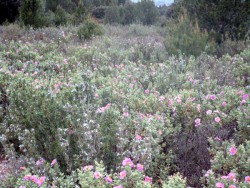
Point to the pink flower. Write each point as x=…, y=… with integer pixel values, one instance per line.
x=103, y=109
x=147, y=91
x=243, y=102
x=219, y=185
x=247, y=179
x=89, y=167
x=53, y=162
x=40, y=181
x=231, y=176
x=208, y=173
x=217, y=138
x=22, y=186
x=34, y=178
x=217, y=119
x=212, y=97
x=233, y=151
x=240, y=92
x=148, y=179
x=170, y=103
x=138, y=137
x=127, y=161
x=224, y=177
x=232, y=186
x=209, y=112
x=27, y=177
x=97, y=175
x=119, y=186
x=224, y=104
x=245, y=96
x=22, y=168
x=197, y=122
x=125, y=114
x=108, y=179
x=40, y=162
x=162, y=98
x=123, y=174
x=139, y=167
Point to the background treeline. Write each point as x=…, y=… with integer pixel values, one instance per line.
x=190, y=26
x=40, y=13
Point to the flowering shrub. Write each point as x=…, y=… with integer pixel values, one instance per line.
x=153, y=120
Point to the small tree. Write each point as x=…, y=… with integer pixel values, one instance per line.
x=148, y=12
x=60, y=16
x=32, y=13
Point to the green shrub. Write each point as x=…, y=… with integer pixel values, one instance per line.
x=88, y=30
x=186, y=37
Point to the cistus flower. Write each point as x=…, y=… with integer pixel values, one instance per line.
x=209, y=112
x=89, y=167
x=27, y=177
x=33, y=178
x=197, y=122
x=22, y=186
x=108, y=179
x=231, y=176
x=148, y=179
x=138, y=137
x=232, y=150
x=22, y=168
x=119, y=186
x=123, y=174
x=97, y=175
x=232, y=186
x=53, y=162
x=219, y=185
x=245, y=96
x=40, y=181
x=125, y=114
x=247, y=179
x=127, y=161
x=224, y=104
x=40, y=162
x=217, y=119
x=139, y=167
x=212, y=97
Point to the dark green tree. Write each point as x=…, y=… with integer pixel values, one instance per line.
x=129, y=13
x=9, y=10
x=225, y=18
x=112, y=14
x=148, y=12
x=32, y=13
x=60, y=16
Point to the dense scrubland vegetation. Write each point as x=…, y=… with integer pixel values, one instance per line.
x=121, y=94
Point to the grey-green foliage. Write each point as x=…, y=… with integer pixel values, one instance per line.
x=175, y=181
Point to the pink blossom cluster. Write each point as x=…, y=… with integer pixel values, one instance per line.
x=103, y=109
x=39, y=181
